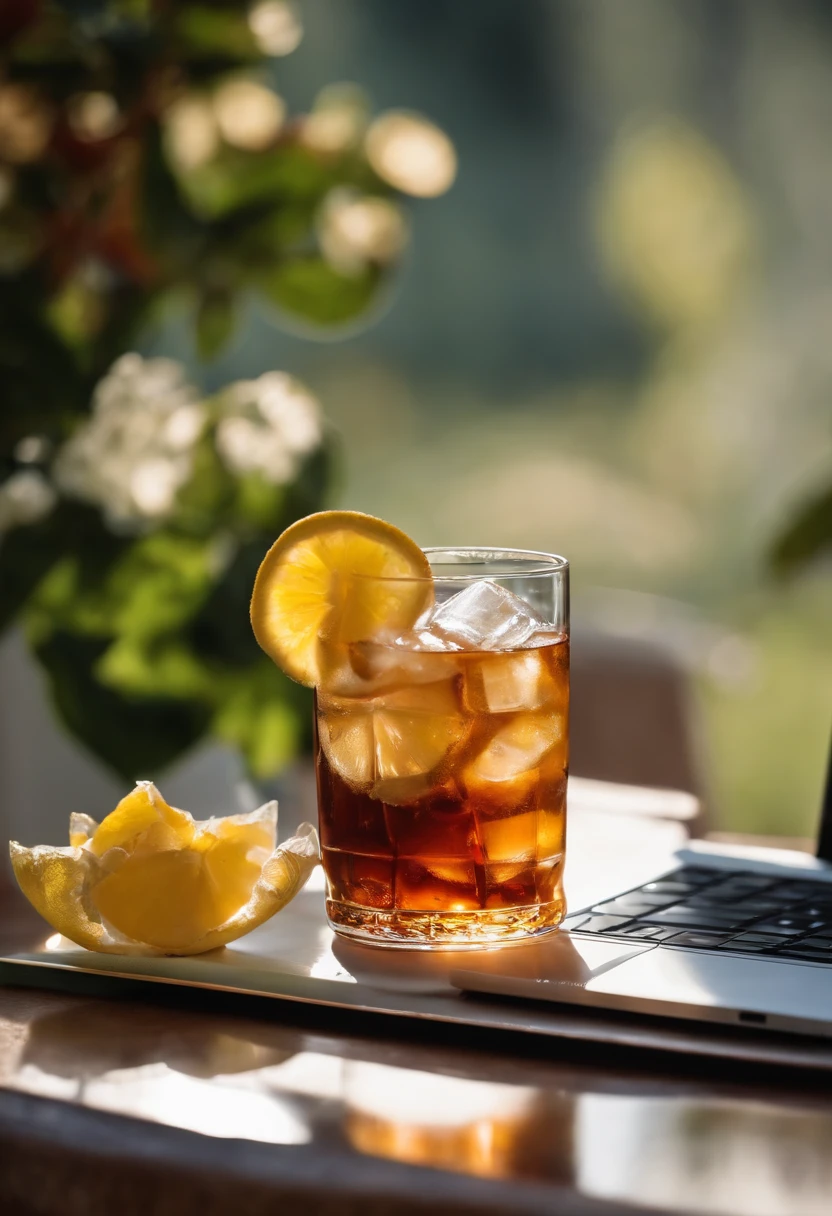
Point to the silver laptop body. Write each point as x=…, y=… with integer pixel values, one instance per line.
x=735, y=935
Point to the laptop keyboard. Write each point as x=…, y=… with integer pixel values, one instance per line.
x=737, y=911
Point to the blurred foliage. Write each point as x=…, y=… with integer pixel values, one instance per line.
x=143, y=629
x=144, y=164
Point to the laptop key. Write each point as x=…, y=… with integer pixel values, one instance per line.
x=744, y=947
x=740, y=888
x=696, y=875
x=789, y=925
x=630, y=906
x=595, y=924
x=694, y=918
x=702, y=941
x=819, y=941
x=676, y=889
x=820, y=891
x=653, y=933
x=755, y=909
x=745, y=909
x=799, y=951
x=656, y=899
x=761, y=940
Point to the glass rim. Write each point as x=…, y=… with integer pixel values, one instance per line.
x=541, y=565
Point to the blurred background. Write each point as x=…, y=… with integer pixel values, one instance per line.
x=555, y=275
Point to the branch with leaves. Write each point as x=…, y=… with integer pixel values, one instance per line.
x=147, y=164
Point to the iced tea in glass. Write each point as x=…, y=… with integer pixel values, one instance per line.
x=442, y=755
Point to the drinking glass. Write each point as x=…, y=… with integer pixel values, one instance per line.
x=442, y=755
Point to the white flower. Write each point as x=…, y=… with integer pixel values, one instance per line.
x=267, y=426
x=354, y=229
x=32, y=449
x=135, y=452
x=25, y=498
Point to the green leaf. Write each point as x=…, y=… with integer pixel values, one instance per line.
x=237, y=179
x=156, y=584
x=311, y=290
x=220, y=632
x=807, y=536
x=159, y=584
x=260, y=502
x=205, y=502
x=135, y=737
x=205, y=30
x=263, y=714
x=155, y=667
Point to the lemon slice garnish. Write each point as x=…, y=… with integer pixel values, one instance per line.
x=318, y=589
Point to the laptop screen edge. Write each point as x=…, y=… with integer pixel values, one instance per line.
x=824, y=851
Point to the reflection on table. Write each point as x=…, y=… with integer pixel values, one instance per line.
x=676, y=1144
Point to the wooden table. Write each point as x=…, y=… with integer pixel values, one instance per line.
x=196, y=1103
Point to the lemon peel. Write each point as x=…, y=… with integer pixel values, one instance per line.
x=151, y=880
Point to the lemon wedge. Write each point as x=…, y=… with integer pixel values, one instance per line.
x=331, y=579
x=150, y=879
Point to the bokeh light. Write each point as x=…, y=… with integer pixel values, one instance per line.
x=674, y=224
x=248, y=114
x=354, y=229
x=338, y=119
x=25, y=498
x=411, y=154
x=276, y=26
x=94, y=116
x=26, y=120
x=191, y=131
x=32, y=449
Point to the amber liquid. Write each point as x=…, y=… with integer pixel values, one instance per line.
x=442, y=799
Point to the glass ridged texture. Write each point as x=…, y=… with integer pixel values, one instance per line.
x=442, y=772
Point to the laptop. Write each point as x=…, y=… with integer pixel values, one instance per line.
x=733, y=935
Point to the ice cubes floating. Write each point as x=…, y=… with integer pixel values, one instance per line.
x=475, y=692
x=484, y=616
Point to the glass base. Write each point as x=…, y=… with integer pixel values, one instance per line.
x=444, y=930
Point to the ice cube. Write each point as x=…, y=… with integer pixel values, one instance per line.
x=516, y=749
x=547, y=636
x=392, y=746
x=389, y=662
x=508, y=837
x=485, y=617
x=424, y=639
x=505, y=682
